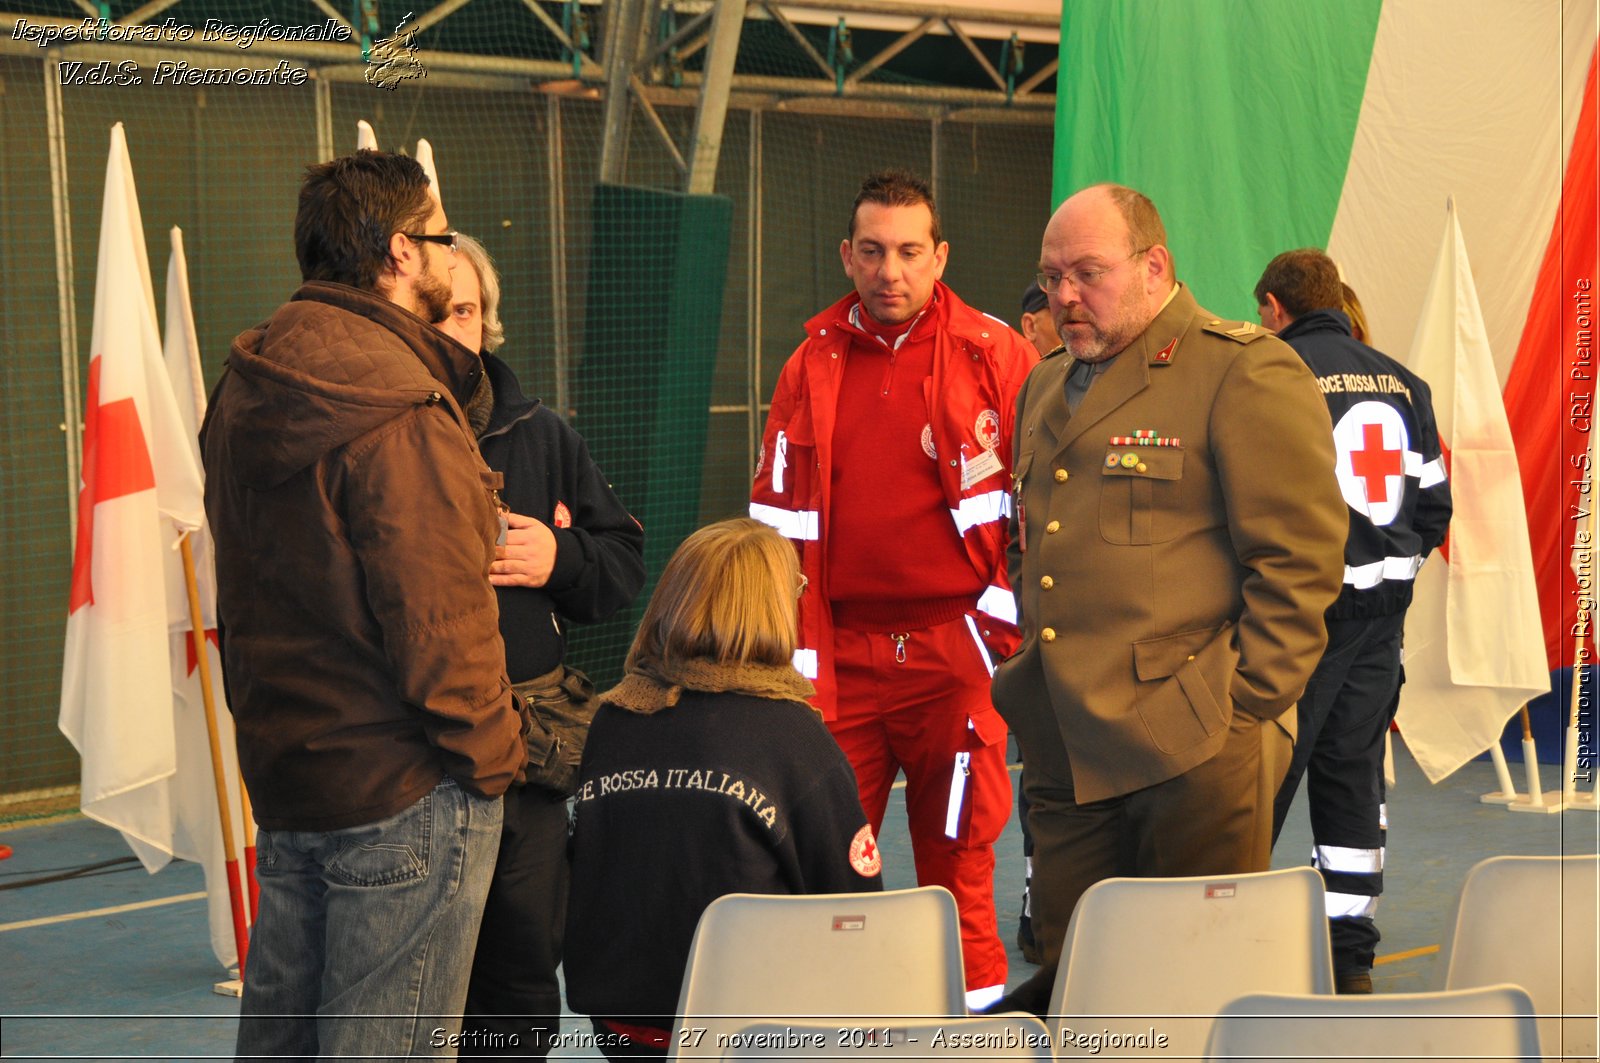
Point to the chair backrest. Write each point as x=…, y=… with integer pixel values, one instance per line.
x=1531, y=921
x=1484, y=1024
x=1148, y=962
x=1016, y=1035
x=758, y=957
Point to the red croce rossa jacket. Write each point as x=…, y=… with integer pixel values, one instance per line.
x=979, y=365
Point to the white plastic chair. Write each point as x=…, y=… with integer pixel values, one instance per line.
x=757, y=957
x=1147, y=962
x=1485, y=1024
x=1531, y=921
x=1016, y=1035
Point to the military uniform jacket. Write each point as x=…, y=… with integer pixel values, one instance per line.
x=1164, y=586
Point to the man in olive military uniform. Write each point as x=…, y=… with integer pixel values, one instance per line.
x=1178, y=533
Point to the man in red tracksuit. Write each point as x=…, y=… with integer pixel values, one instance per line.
x=887, y=459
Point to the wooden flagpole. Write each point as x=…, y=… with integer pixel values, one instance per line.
x=197, y=635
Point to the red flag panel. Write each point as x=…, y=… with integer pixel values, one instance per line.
x=1550, y=392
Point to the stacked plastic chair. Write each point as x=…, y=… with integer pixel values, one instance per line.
x=850, y=960
x=1148, y=962
x=1494, y=1024
x=1531, y=921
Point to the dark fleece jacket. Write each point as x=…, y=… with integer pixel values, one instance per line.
x=354, y=526
x=550, y=476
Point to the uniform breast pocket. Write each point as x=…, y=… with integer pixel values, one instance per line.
x=1140, y=495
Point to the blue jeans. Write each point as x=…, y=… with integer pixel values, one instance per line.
x=364, y=938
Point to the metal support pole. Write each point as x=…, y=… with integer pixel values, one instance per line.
x=623, y=37
x=754, y=390
x=323, y=101
x=66, y=297
x=560, y=332
x=726, y=26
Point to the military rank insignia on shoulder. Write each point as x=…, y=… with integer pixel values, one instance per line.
x=1237, y=331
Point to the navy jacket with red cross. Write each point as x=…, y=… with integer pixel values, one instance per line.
x=979, y=365
x=1391, y=466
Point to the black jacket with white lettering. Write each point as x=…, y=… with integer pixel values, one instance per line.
x=1390, y=463
x=720, y=793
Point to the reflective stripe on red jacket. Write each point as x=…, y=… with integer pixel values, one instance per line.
x=979, y=365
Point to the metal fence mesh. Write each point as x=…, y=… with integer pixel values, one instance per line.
x=518, y=159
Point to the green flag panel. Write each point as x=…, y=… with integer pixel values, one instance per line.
x=1235, y=116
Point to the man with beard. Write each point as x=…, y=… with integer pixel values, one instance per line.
x=1178, y=533
x=355, y=525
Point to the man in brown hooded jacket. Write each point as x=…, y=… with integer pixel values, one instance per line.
x=355, y=524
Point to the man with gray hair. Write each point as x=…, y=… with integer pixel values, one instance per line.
x=572, y=554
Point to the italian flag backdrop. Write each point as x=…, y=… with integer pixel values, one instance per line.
x=1262, y=125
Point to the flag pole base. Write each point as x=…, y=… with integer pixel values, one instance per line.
x=1552, y=803
x=1502, y=774
x=233, y=987
x=1586, y=802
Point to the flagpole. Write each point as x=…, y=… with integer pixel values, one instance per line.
x=1502, y=771
x=1538, y=801
x=197, y=634
x=249, y=849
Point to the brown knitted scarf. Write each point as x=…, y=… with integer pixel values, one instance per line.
x=652, y=685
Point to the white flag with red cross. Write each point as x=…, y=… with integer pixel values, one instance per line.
x=1474, y=646
x=140, y=492
x=195, y=820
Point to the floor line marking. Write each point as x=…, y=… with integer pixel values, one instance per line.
x=71, y=916
x=1393, y=957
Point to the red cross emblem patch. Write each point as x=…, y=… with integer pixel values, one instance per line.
x=864, y=856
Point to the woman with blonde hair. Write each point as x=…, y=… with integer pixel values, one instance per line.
x=705, y=773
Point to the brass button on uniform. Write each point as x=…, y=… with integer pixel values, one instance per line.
x=1061, y=476
x=1053, y=527
x=1046, y=582
x=1047, y=635
x=1141, y=467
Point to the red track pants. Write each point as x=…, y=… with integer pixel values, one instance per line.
x=919, y=702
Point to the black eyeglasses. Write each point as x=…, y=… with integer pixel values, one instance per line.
x=448, y=239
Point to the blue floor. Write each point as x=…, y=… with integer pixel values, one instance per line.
x=136, y=982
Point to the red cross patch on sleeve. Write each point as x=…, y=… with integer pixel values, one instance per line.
x=864, y=856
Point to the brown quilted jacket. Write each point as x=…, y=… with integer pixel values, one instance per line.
x=354, y=525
